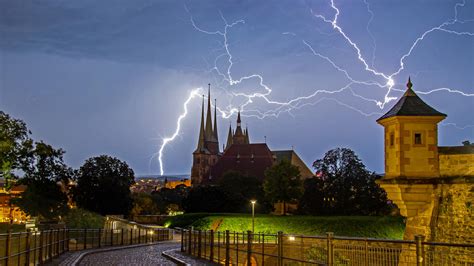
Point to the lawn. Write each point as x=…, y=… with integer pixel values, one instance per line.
x=354, y=226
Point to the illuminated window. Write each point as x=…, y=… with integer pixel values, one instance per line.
x=392, y=139
x=418, y=139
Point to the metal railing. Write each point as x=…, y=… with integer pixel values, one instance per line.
x=245, y=248
x=38, y=247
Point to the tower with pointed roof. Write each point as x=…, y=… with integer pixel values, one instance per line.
x=207, y=151
x=411, y=137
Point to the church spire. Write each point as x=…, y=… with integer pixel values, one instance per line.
x=247, y=138
x=229, y=137
x=215, y=121
x=200, y=145
x=209, y=132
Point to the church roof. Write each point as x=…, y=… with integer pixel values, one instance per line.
x=248, y=159
x=411, y=105
x=294, y=159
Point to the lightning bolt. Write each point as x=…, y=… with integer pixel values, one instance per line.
x=166, y=140
x=279, y=107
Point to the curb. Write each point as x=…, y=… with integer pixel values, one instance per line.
x=174, y=259
x=85, y=253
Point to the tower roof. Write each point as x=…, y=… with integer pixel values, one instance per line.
x=200, y=145
x=209, y=130
x=411, y=105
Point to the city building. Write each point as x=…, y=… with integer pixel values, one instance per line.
x=433, y=186
x=9, y=211
x=239, y=154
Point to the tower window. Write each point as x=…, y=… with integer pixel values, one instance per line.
x=392, y=139
x=418, y=139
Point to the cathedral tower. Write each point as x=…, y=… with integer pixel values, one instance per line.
x=207, y=152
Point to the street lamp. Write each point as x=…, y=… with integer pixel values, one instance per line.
x=253, y=214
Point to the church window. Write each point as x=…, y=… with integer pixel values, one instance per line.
x=417, y=139
x=392, y=139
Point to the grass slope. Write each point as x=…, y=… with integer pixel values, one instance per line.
x=353, y=226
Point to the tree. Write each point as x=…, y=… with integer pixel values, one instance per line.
x=143, y=204
x=166, y=197
x=15, y=144
x=312, y=202
x=348, y=187
x=209, y=199
x=242, y=189
x=103, y=185
x=282, y=183
x=43, y=174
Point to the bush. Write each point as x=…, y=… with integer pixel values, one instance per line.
x=80, y=218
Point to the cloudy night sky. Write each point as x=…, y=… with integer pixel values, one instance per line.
x=112, y=77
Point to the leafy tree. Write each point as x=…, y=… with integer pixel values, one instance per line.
x=312, y=201
x=143, y=204
x=347, y=188
x=167, y=196
x=282, y=183
x=103, y=186
x=15, y=145
x=242, y=189
x=43, y=175
x=209, y=199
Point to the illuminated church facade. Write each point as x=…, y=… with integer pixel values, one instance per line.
x=239, y=154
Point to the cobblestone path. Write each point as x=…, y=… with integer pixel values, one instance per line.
x=149, y=255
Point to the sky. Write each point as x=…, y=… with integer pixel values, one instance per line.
x=113, y=77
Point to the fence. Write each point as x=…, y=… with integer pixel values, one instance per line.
x=235, y=248
x=38, y=247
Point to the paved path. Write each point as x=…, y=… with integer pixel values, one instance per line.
x=148, y=255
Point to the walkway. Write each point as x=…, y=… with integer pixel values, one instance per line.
x=147, y=254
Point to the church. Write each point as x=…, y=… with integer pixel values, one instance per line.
x=238, y=154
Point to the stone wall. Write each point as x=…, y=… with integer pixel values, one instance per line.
x=456, y=164
x=454, y=217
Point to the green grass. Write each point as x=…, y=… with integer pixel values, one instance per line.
x=353, y=226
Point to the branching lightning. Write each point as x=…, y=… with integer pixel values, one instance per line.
x=277, y=107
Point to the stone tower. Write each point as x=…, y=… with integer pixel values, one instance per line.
x=207, y=152
x=411, y=137
x=432, y=186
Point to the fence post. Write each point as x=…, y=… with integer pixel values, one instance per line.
x=249, y=247
x=85, y=238
x=100, y=237
x=199, y=243
x=189, y=240
x=420, y=252
x=280, y=248
x=330, y=255
x=139, y=235
x=57, y=242
x=111, y=237
x=40, y=255
x=366, y=257
x=27, y=248
x=50, y=247
x=7, y=248
x=227, y=247
x=121, y=237
x=182, y=239
x=68, y=239
x=131, y=236
x=211, y=244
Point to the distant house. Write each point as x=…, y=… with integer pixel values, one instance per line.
x=17, y=215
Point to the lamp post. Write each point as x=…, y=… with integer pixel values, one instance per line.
x=253, y=214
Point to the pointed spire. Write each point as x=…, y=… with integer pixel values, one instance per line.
x=215, y=121
x=247, y=137
x=409, y=91
x=200, y=145
x=230, y=136
x=238, y=119
x=209, y=132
